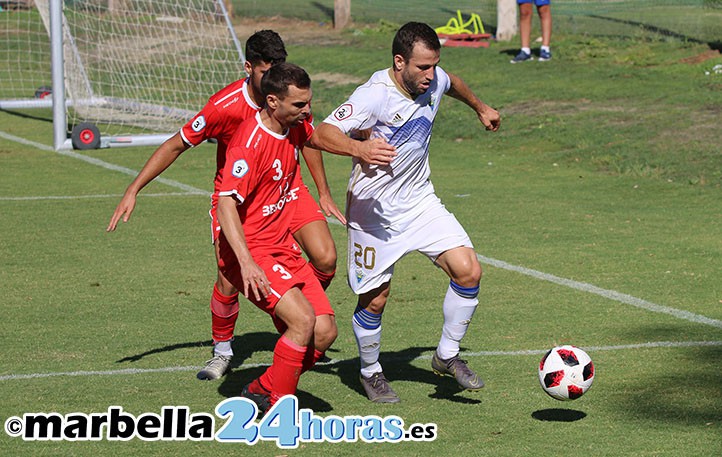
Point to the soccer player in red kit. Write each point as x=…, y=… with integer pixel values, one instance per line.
x=258, y=253
x=220, y=119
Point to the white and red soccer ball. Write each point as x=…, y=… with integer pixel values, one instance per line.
x=566, y=372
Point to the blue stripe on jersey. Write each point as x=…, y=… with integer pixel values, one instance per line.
x=366, y=319
x=464, y=292
x=415, y=130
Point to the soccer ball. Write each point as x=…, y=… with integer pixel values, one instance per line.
x=566, y=372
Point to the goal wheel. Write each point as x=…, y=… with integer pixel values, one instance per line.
x=43, y=91
x=85, y=136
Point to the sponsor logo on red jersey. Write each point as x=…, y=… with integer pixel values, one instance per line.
x=289, y=196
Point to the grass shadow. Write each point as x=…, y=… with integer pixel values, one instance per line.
x=327, y=11
x=398, y=367
x=558, y=415
x=685, y=387
x=243, y=348
x=48, y=119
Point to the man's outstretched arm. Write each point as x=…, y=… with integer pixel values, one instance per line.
x=461, y=91
x=331, y=139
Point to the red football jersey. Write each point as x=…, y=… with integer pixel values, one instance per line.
x=260, y=172
x=220, y=119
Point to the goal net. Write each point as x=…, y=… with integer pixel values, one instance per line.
x=131, y=67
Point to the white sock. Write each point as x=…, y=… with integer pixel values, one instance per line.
x=546, y=49
x=367, y=330
x=459, y=306
x=223, y=348
x=526, y=50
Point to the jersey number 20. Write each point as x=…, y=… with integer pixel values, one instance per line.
x=364, y=257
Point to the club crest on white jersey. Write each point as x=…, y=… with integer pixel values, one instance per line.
x=344, y=111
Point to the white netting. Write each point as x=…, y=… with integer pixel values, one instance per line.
x=131, y=66
x=24, y=52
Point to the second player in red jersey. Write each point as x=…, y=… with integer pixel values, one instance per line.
x=218, y=120
x=257, y=251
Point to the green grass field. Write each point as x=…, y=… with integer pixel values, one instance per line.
x=596, y=209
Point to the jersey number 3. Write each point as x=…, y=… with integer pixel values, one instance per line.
x=281, y=271
x=279, y=171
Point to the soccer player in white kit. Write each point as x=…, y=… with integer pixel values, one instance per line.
x=392, y=209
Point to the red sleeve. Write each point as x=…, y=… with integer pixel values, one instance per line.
x=240, y=174
x=207, y=124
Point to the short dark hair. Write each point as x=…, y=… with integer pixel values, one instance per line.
x=411, y=33
x=280, y=76
x=265, y=46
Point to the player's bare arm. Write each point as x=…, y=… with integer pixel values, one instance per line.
x=254, y=278
x=461, y=91
x=161, y=159
x=314, y=161
x=331, y=139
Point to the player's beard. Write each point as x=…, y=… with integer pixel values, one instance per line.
x=413, y=86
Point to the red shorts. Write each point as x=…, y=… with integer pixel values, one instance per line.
x=284, y=271
x=305, y=210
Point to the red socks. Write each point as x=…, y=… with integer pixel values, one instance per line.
x=310, y=358
x=224, y=313
x=285, y=370
x=323, y=278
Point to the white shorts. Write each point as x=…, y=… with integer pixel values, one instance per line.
x=373, y=254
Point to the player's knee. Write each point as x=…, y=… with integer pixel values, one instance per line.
x=325, y=332
x=301, y=327
x=228, y=290
x=377, y=304
x=375, y=300
x=307, y=323
x=324, y=259
x=225, y=286
x=470, y=275
x=476, y=272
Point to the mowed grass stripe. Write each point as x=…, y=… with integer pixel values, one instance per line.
x=582, y=286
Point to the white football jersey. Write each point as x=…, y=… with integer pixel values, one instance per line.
x=382, y=197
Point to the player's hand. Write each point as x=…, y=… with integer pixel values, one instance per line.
x=490, y=118
x=124, y=209
x=376, y=151
x=329, y=208
x=254, y=280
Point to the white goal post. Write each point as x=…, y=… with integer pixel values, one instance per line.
x=118, y=72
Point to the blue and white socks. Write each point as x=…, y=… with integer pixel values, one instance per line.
x=367, y=329
x=459, y=306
